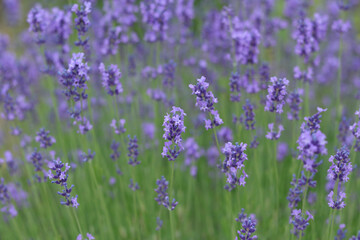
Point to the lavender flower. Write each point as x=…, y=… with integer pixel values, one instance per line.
x=205, y=100
x=305, y=42
x=341, y=26
x=277, y=93
x=85, y=157
x=340, y=166
x=162, y=195
x=249, y=118
x=114, y=147
x=133, y=186
x=75, y=78
x=111, y=79
x=159, y=223
x=249, y=227
x=299, y=221
x=12, y=10
x=235, y=157
x=149, y=129
x=118, y=129
x=60, y=176
x=173, y=128
x=341, y=232
x=133, y=152
x=355, y=238
x=235, y=87
x=5, y=200
x=83, y=124
x=38, y=21
x=272, y=135
x=44, y=138
x=355, y=129
x=192, y=154
x=88, y=235
x=345, y=136
x=82, y=22
x=294, y=100
x=282, y=151
x=305, y=76
x=338, y=202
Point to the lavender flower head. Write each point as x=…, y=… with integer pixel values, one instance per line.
x=82, y=22
x=38, y=21
x=272, y=135
x=88, y=235
x=59, y=175
x=294, y=100
x=341, y=26
x=75, y=78
x=338, y=202
x=248, y=228
x=111, y=79
x=299, y=221
x=173, y=128
x=44, y=138
x=340, y=166
x=162, y=195
x=277, y=93
x=235, y=157
x=205, y=100
x=133, y=152
x=5, y=200
x=118, y=129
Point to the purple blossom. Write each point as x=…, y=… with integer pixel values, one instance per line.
x=354, y=237
x=192, y=154
x=149, y=129
x=114, y=147
x=85, y=157
x=282, y=151
x=156, y=15
x=306, y=44
x=294, y=100
x=83, y=124
x=340, y=26
x=341, y=233
x=264, y=72
x=305, y=76
x=60, y=176
x=133, y=151
x=338, y=202
x=75, y=78
x=299, y=221
x=133, y=186
x=277, y=93
x=44, y=138
x=12, y=10
x=118, y=129
x=272, y=135
x=162, y=195
x=340, y=166
x=5, y=200
x=111, y=79
x=254, y=143
x=205, y=100
x=345, y=136
x=60, y=27
x=38, y=22
x=88, y=235
x=235, y=157
x=82, y=22
x=212, y=155
x=235, y=87
x=159, y=223
x=248, y=118
x=173, y=128
x=248, y=228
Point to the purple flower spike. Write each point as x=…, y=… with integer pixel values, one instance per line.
x=82, y=22
x=111, y=79
x=118, y=129
x=38, y=21
x=248, y=118
x=133, y=186
x=341, y=26
x=115, y=148
x=299, y=221
x=205, y=100
x=133, y=152
x=272, y=135
x=173, y=128
x=5, y=201
x=338, y=202
x=249, y=227
x=44, y=138
x=340, y=166
x=83, y=124
x=162, y=195
x=235, y=157
x=294, y=100
x=59, y=175
x=341, y=233
x=355, y=238
x=277, y=93
x=159, y=223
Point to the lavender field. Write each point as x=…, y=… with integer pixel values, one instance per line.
x=180, y=119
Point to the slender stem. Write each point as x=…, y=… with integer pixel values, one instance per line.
x=170, y=200
x=77, y=220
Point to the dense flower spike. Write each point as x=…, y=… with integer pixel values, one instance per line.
x=341, y=232
x=299, y=221
x=205, y=100
x=5, y=199
x=162, y=195
x=294, y=100
x=133, y=151
x=44, y=138
x=235, y=157
x=338, y=201
x=111, y=79
x=340, y=166
x=38, y=21
x=248, y=228
x=114, y=147
x=60, y=176
x=75, y=78
x=248, y=118
x=82, y=22
x=192, y=154
x=272, y=135
x=355, y=129
x=277, y=93
x=173, y=128
x=133, y=186
x=235, y=87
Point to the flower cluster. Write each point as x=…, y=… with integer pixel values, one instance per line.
x=133, y=152
x=272, y=135
x=248, y=225
x=294, y=196
x=355, y=129
x=60, y=176
x=157, y=15
x=38, y=21
x=111, y=79
x=75, y=78
x=277, y=93
x=305, y=76
x=235, y=87
x=248, y=118
x=299, y=221
x=205, y=100
x=82, y=22
x=235, y=157
x=44, y=138
x=192, y=153
x=294, y=100
x=162, y=195
x=118, y=129
x=88, y=235
x=5, y=200
x=173, y=128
